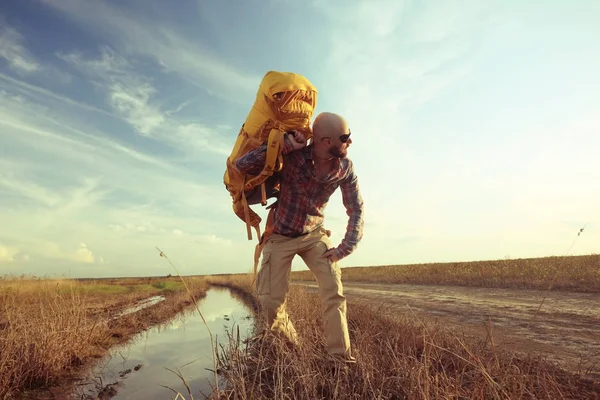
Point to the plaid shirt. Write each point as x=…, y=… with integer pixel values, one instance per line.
x=303, y=198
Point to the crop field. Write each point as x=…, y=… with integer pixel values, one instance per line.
x=575, y=273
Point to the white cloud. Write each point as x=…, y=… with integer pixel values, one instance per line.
x=375, y=17
x=133, y=104
x=41, y=94
x=37, y=118
x=201, y=137
x=395, y=74
x=28, y=190
x=64, y=181
x=13, y=51
x=149, y=228
x=146, y=227
x=127, y=93
x=443, y=20
x=138, y=35
x=79, y=254
x=7, y=254
x=21, y=61
x=133, y=97
x=179, y=108
x=83, y=254
x=211, y=239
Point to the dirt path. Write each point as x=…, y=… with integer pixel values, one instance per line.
x=566, y=329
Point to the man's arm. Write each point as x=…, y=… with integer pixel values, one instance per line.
x=353, y=202
x=253, y=161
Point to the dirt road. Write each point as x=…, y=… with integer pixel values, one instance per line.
x=565, y=330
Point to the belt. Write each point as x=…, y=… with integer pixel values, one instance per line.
x=295, y=235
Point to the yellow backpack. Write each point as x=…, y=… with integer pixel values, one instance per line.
x=285, y=101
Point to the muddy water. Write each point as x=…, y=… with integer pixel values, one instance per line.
x=566, y=329
x=139, y=370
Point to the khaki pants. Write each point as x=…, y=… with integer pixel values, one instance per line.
x=273, y=284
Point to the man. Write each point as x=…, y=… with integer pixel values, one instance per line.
x=310, y=175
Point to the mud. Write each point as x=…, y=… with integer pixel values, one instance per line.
x=140, y=305
x=566, y=330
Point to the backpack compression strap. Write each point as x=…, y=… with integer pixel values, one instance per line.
x=273, y=154
x=273, y=146
x=247, y=218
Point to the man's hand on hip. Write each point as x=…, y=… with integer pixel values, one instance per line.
x=332, y=255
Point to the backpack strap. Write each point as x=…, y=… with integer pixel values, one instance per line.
x=273, y=147
x=273, y=163
x=247, y=218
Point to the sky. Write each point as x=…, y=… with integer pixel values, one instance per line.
x=475, y=128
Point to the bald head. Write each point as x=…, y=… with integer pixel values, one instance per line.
x=329, y=125
x=331, y=136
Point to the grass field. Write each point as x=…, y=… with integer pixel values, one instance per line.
x=398, y=357
x=576, y=273
x=51, y=328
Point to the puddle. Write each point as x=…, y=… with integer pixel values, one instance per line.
x=139, y=370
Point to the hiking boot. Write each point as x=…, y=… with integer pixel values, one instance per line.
x=339, y=358
x=290, y=343
x=339, y=363
x=256, y=340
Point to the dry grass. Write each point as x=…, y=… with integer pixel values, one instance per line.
x=577, y=273
x=398, y=357
x=49, y=329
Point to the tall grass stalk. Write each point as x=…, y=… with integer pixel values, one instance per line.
x=213, y=348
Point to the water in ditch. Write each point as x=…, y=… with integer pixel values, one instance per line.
x=147, y=367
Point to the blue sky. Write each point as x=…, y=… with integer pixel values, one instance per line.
x=475, y=127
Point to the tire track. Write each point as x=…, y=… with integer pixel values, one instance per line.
x=565, y=330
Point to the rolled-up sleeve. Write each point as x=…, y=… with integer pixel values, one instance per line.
x=253, y=162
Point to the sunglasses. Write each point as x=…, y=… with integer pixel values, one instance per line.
x=346, y=137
